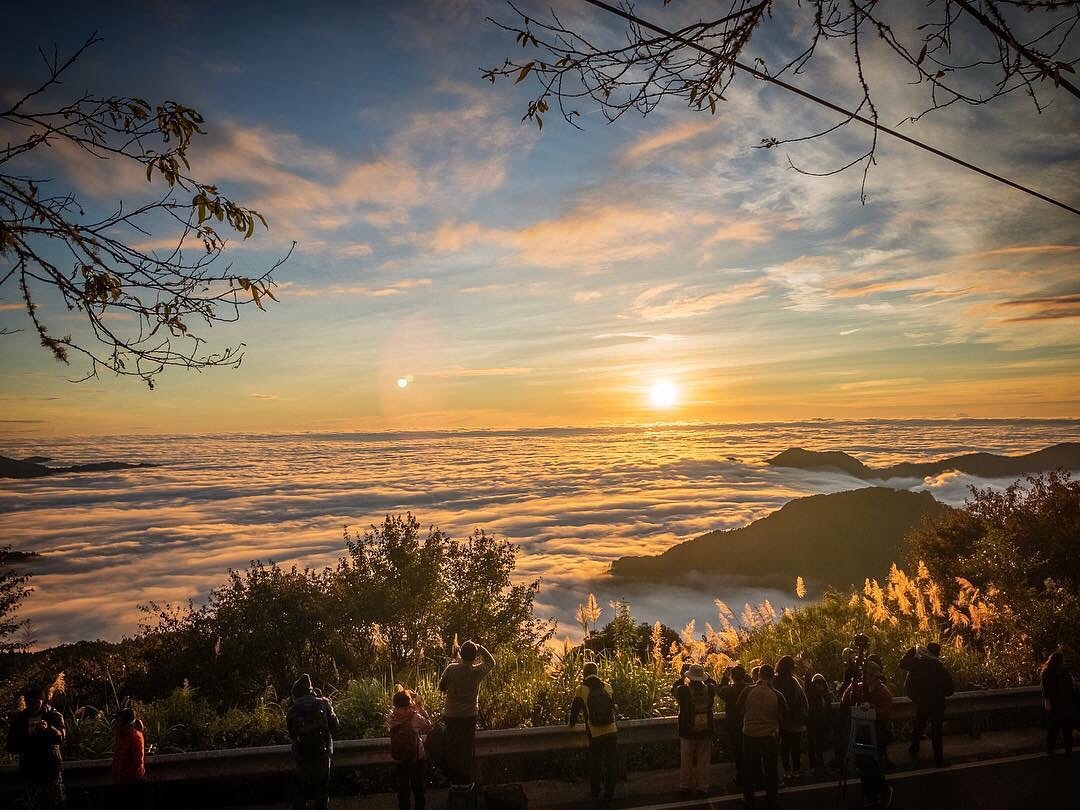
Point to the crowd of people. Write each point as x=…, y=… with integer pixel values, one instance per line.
x=768, y=712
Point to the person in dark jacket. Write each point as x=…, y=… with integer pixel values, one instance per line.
x=312, y=724
x=35, y=735
x=695, y=693
x=928, y=684
x=871, y=693
x=818, y=720
x=595, y=700
x=794, y=722
x=732, y=685
x=1060, y=701
x=129, y=760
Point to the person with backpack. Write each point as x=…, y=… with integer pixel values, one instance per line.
x=35, y=735
x=461, y=683
x=794, y=723
x=871, y=693
x=762, y=708
x=695, y=692
x=407, y=723
x=595, y=698
x=732, y=685
x=129, y=760
x=312, y=725
x=928, y=684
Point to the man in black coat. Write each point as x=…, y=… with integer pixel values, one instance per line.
x=35, y=735
x=928, y=684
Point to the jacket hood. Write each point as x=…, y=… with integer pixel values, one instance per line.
x=593, y=682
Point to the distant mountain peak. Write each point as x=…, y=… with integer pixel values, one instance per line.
x=834, y=539
x=985, y=465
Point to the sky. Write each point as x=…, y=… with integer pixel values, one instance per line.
x=654, y=269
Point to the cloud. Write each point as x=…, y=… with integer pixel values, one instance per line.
x=668, y=301
x=584, y=296
x=1041, y=309
x=359, y=290
x=749, y=232
x=577, y=499
x=588, y=237
x=264, y=396
x=680, y=133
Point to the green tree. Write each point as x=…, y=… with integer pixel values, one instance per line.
x=13, y=589
x=423, y=589
x=140, y=306
x=1024, y=542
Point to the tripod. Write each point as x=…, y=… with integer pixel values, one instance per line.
x=862, y=742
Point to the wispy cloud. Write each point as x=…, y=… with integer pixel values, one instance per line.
x=672, y=136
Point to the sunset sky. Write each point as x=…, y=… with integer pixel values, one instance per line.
x=512, y=277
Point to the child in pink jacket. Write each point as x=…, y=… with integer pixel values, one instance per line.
x=407, y=723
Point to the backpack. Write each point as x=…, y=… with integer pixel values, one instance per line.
x=702, y=703
x=311, y=729
x=404, y=743
x=600, y=706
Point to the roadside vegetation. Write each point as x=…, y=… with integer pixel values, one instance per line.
x=996, y=583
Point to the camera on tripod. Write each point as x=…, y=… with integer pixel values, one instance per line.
x=860, y=644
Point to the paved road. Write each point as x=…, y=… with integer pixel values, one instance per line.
x=1027, y=782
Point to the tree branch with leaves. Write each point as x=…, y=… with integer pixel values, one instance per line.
x=1021, y=46
x=139, y=306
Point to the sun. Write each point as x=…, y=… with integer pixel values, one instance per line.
x=663, y=394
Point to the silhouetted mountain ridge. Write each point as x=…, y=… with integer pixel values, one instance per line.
x=29, y=468
x=836, y=539
x=984, y=465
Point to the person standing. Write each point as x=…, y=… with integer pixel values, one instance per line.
x=762, y=709
x=731, y=688
x=461, y=683
x=407, y=723
x=818, y=720
x=871, y=693
x=129, y=760
x=1060, y=701
x=794, y=723
x=35, y=735
x=596, y=700
x=312, y=725
x=695, y=693
x=928, y=684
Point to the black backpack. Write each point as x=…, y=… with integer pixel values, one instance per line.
x=311, y=729
x=600, y=706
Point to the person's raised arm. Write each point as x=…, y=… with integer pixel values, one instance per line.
x=487, y=660
x=443, y=686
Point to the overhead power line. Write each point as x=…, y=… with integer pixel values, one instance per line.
x=765, y=77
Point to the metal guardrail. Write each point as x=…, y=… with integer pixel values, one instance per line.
x=350, y=754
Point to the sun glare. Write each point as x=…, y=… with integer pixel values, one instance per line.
x=663, y=394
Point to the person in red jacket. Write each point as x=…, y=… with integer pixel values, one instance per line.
x=129, y=760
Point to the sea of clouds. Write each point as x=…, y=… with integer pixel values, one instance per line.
x=572, y=500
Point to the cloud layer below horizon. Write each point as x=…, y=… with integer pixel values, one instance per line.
x=572, y=500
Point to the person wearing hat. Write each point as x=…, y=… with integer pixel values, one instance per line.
x=129, y=759
x=928, y=684
x=695, y=692
x=595, y=699
x=312, y=725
